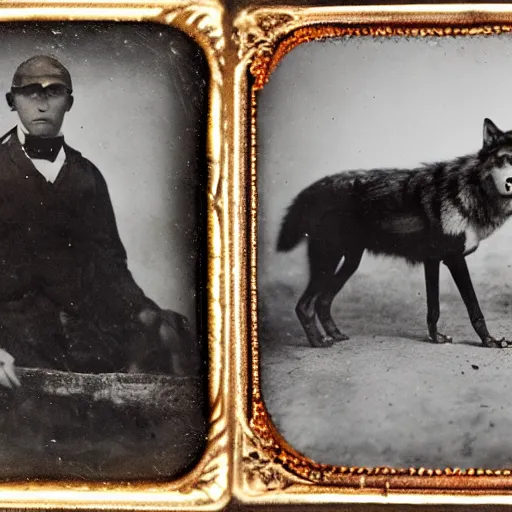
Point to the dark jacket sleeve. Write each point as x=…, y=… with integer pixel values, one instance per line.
x=113, y=280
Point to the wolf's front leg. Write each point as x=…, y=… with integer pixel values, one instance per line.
x=432, y=285
x=460, y=273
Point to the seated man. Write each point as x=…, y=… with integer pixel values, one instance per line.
x=67, y=298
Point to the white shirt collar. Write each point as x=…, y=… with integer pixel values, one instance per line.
x=50, y=170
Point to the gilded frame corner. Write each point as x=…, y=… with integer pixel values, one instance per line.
x=267, y=469
x=206, y=486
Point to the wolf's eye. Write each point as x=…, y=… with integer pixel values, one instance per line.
x=504, y=153
x=503, y=159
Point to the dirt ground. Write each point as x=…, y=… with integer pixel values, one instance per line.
x=386, y=396
x=95, y=427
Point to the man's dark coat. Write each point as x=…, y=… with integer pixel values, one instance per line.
x=67, y=298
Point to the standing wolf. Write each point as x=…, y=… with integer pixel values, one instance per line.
x=432, y=214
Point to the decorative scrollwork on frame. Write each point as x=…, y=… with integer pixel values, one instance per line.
x=205, y=23
x=257, y=34
x=264, y=475
x=212, y=480
x=263, y=472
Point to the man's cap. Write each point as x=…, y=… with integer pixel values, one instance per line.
x=41, y=70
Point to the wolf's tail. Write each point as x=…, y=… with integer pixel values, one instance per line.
x=293, y=226
x=302, y=214
x=336, y=194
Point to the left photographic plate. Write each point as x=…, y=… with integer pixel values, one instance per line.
x=111, y=380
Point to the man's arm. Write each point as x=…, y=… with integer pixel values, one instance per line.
x=121, y=299
x=110, y=259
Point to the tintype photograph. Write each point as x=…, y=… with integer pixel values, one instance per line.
x=102, y=184
x=384, y=181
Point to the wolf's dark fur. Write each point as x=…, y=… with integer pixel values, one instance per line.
x=435, y=213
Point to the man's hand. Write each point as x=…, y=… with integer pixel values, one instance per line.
x=8, y=377
x=174, y=334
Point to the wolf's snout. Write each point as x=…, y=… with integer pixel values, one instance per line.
x=503, y=180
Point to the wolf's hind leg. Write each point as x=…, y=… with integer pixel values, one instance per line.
x=350, y=264
x=323, y=256
x=305, y=310
x=460, y=273
x=432, y=285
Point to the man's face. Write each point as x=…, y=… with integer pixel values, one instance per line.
x=42, y=110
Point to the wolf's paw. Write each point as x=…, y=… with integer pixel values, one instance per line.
x=494, y=343
x=339, y=336
x=440, y=338
x=322, y=341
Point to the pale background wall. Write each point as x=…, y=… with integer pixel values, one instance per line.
x=361, y=103
x=137, y=97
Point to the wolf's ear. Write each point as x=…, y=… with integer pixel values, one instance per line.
x=491, y=132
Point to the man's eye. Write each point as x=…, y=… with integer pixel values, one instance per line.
x=31, y=92
x=55, y=91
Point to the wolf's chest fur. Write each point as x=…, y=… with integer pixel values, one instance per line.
x=415, y=239
x=454, y=223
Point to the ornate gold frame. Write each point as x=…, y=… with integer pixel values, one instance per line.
x=245, y=456
x=267, y=470
x=206, y=487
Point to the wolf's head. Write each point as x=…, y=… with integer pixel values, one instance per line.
x=497, y=156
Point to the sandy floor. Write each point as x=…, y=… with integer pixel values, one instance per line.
x=386, y=396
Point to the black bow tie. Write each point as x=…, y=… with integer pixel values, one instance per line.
x=43, y=147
